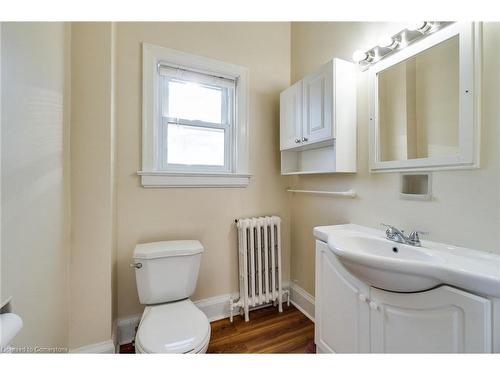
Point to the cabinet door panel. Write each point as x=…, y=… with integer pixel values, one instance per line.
x=442, y=320
x=291, y=116
x=318, y=103
x=341, y=317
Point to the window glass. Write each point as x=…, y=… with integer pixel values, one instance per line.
x=196, y=123
x=195, y=102
x=193, y=145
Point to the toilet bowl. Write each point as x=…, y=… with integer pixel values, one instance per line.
x=166, y=274
x=176, y=327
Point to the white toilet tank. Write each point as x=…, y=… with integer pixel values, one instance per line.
x=166, y=271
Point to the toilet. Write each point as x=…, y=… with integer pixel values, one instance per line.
x=166, y=274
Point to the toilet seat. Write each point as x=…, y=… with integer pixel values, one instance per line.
x=176, y=327
x=199, y=350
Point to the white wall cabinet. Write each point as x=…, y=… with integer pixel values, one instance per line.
x=318, y=121
x=291, y=116
x=352, y=318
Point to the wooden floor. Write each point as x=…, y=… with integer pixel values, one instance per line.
x=267, y=332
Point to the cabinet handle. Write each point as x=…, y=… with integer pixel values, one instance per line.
x=374, y=306
x=304, y=139
x=362, y=297
x=297, y=140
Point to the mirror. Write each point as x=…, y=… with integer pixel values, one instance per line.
x=423, y=104
x=418, y=105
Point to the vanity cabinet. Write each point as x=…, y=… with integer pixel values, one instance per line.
x=441, y=320
x=351, y=317
x=341, y=312
x=318, y=121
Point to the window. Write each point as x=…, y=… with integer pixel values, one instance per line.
x=197, y=121
x=194, y=120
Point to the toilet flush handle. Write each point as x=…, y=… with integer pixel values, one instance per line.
x=136, y=265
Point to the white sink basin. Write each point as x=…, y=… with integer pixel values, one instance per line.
x=388, y=265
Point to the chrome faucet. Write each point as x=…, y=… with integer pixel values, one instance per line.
x=394, y=234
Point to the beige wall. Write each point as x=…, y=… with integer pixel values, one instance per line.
x=35, y=181
x=465, y=208
x=206, y=214
x=92, y=184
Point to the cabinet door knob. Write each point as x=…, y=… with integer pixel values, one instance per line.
x=297, y=140
x=304, y=139
x=373, y=306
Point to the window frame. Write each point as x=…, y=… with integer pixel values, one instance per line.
x=153, y=173
x=227, y=124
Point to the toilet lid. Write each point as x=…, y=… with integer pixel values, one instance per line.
x=176, y=327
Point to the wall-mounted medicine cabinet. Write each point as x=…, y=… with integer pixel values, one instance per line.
x=318, y=121
x=425, y=103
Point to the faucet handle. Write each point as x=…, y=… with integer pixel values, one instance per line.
x=414, y=236
x=391, y=231
x=390, y=228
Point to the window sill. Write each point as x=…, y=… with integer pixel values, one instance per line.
x=160, y=179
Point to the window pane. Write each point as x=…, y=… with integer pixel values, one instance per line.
x=192, y=145
x=191, y=101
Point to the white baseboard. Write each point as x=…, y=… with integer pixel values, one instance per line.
x=105, y=347
x=302, y=300
x=126, y=328
x=215, y=308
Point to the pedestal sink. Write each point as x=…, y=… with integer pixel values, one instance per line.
x=392, y=266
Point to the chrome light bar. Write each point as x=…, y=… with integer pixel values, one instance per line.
x=389, y=44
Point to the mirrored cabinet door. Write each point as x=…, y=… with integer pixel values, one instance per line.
x=424, y=103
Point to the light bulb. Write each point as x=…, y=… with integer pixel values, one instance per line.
x=414, y=26
x=420, y=26
x=388, y=42
x=359, y=56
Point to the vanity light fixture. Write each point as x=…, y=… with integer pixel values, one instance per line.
x=388, y=44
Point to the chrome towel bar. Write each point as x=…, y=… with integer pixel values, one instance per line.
x=349, y=193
